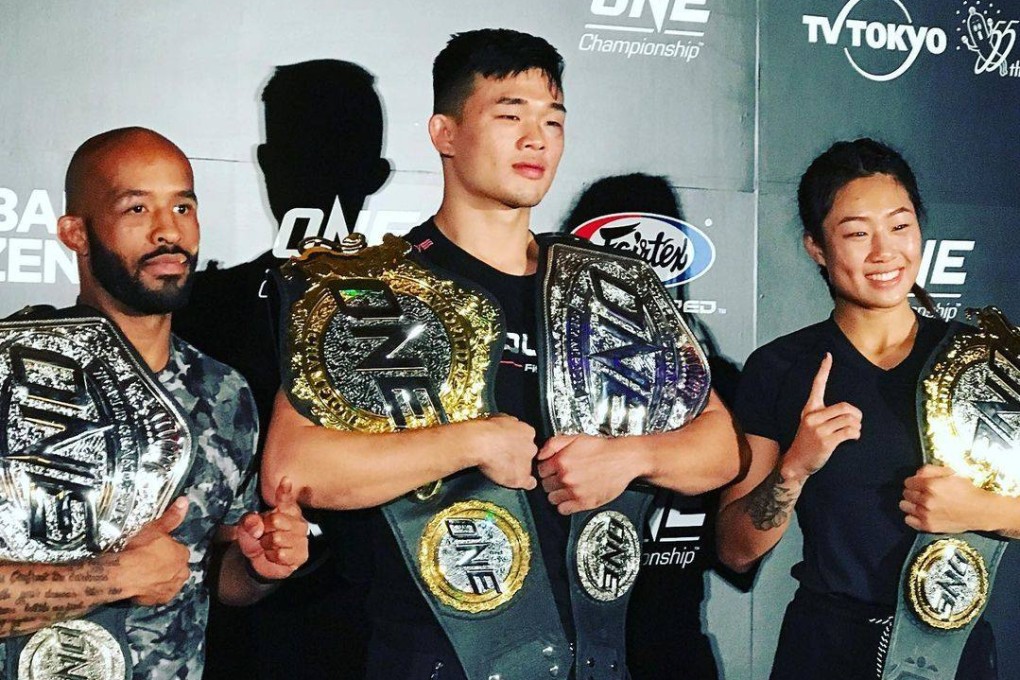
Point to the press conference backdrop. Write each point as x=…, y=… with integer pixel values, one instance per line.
x=728, y=99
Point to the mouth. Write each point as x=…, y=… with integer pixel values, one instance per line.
x=890, y=276
x=167, y=264
x=530, y=170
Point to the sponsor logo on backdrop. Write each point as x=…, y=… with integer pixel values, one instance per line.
x=672, y=536
x=671, y=29
x=878, y=50
x=678, y=251
x=990, y=38
x=943, y=274
x=29, y=249
x=301, y=223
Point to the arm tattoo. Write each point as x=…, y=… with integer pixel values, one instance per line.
x=34, y=595
x=769, y=503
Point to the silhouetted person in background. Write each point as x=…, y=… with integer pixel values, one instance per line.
x=664, y=638
x=324, y=128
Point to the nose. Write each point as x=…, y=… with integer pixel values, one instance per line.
x=165, y=228
x=533, y=136
x=881, y=247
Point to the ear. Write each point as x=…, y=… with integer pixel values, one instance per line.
x=71, y=232
x=814, y=250
x=442, y=131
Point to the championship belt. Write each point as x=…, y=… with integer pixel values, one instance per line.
x=968, y=408
x=378, y=342
x=92, y=449
x=617, y=359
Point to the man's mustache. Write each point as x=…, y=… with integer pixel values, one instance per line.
x=170, y=250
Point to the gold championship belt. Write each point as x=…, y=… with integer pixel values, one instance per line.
x=377, y=342
x=969, y=419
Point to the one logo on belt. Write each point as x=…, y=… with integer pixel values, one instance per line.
x=948, y=584
x=57, y=432
x=71, y=650
x=474, y=556
x=902, y=40
x=678, y=251
x=608, y=555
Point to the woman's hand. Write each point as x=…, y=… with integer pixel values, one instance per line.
x=822, y=428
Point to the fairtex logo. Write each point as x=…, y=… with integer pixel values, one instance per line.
x=678, y=252
x=904, y=39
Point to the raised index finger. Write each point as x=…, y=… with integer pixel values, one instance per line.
x=816, y=399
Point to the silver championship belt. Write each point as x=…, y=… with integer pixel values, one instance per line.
x=92, y=447
x=969, y=420
x=619, y=360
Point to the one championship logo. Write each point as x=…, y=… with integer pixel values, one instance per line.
x=474, y=556
x=948, y=584
x=608, y=556
x=72, y=650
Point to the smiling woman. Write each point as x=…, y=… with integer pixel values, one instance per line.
x=830, y=421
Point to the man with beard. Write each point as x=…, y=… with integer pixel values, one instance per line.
x=132, y=223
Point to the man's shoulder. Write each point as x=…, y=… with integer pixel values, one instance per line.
x=208, y=377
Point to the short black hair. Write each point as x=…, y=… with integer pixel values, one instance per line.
x=490, y=53
x=842, y=163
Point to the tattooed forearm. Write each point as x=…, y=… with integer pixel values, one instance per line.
x=769, y=503
x=34, y=595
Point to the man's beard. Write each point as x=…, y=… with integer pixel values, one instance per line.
x=127, y=287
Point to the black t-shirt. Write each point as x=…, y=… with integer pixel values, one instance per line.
x=395, y=603
x=855, y=539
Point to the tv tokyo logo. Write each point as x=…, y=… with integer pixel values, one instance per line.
x=907, y=38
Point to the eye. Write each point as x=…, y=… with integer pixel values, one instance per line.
x=136, y=209
x=555, y=123
x=183, y=209
x=508, y=116
x=898, y=227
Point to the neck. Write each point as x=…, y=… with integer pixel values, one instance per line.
x=149, y=334
x=884, y=336
x=498, y=236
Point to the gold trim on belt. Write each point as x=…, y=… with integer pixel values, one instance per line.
x=474, y=556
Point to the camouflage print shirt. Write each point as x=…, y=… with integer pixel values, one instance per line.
x=169, y=641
